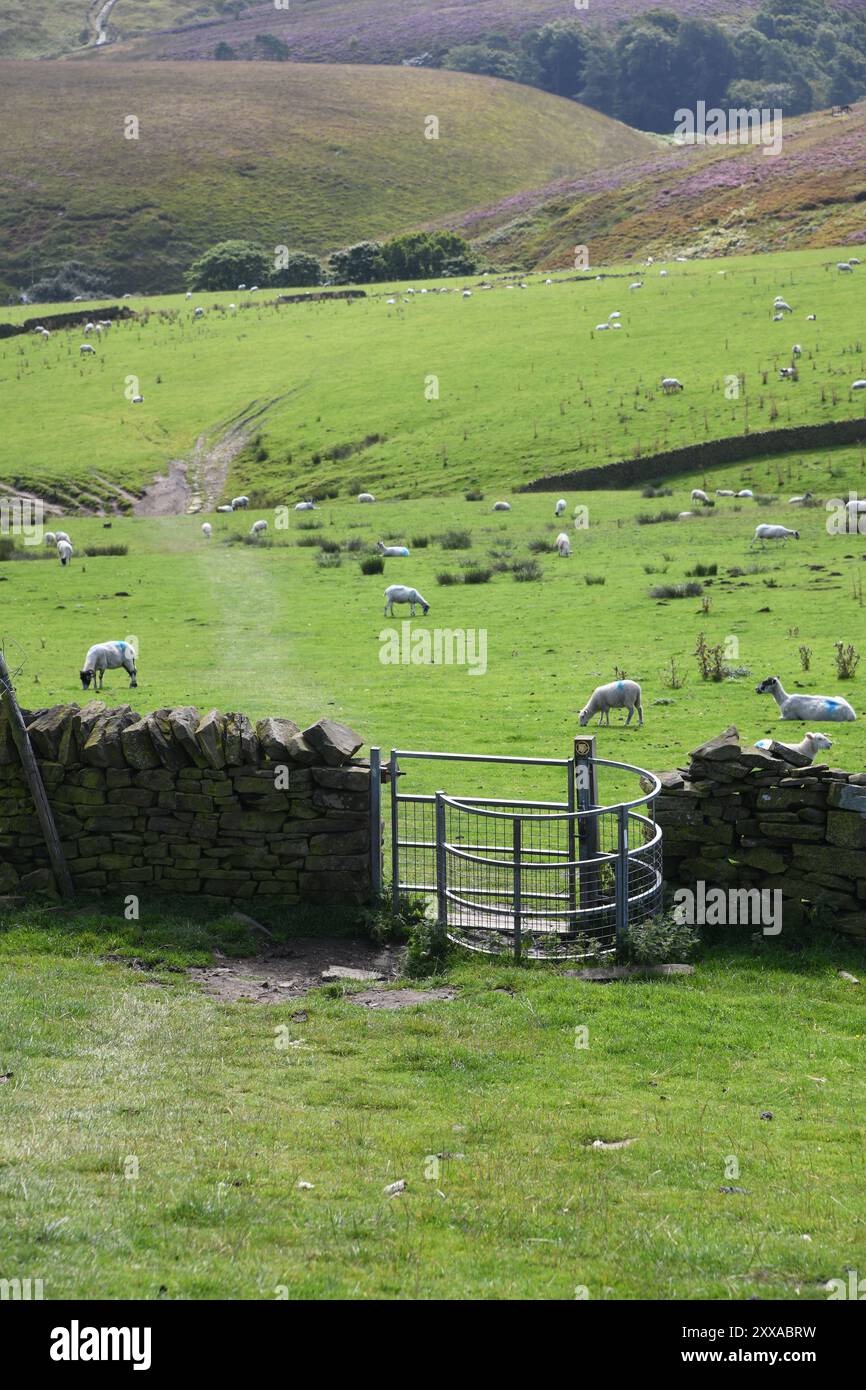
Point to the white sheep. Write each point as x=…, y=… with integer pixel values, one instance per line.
x=724, y=492
x=138, y=400
x=602, y=327
x=398, y=593
x=60, y=536
x=670, y=385
x=636, y=285
x=560, y=507
x=859, y=385
x=563, y=545
x=206, y=530
x=615, y=315
x=226, y=507
x=844, y=265
x=788, y=373
x=811, y=318
x=366, y=497
x=258, y=528
x=698, y=495
x=189, y=294
x=817, y=707
x=108, y=656
x=617, y=695
x=198, y=313
x=782, y=307
x=88, y=328
x=800, y=498
x=853, y=260
x=796, y=350
x=502, y=506
x=86, y=347
x=307, y=506
x=64, y=552
x=394, y=551
x=681, y=516
x=745, y=492
x=50, y=538
x=774, y=533
x=240, y=503
x=808, y=745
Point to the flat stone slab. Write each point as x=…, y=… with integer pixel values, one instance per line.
x=348, y=972
x=605, y=974
x=400, y=998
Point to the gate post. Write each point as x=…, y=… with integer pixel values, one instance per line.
x=516, y=850
x=441, y=867
x=395, y=833
x=621, y=878
x=375, y=824
x=586, y=781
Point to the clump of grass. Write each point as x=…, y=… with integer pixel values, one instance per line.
x=329, y=559
x=302, y=540
x=650, y=491
x=94, y=550
x=456, y=540
x=261, y=542
x=764, y=500
x=702, y=571
x=354, y=543
x=591, y=579
x=847, y=660
x=309, y=525
x=372, y=564
x=473, y=495
x=477, y=574
x=677, y=591
x=527, y=571
x=540, y=546
x=420, y=542
x=446, y=577
x=652, y=518
x=329, y=547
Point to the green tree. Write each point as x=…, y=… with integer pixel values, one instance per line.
x=300, y=270
x=269, y=48
x=360, y=264
x=228, y=264
x=426, y=255
x=561, y=50
x=484, y=59
x=224, y=53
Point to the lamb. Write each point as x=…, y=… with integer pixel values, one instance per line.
x=398, y=593
x=206, y=530
x=774, y=533
x=108, y=656
x=617, y=695
x=698, y=495
x=64, y=552
x=560, y=507
x=808, y=745
x=240, y=503
x=563, y=545
x=788, y=373
x=366, y=497
x=394, y=551
x=258, y=528
x=670, y=385
x=502, y=506
x=816, y=707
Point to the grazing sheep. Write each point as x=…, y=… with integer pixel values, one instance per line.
x=844, y=265
x=258, y=528
x=724, y=492
x=788, y=373
x=615, y=315
x=197, y=313
x=560, y=507
x=745, y=492
x=60, y=536
x=636, y=285
x=88, y=328
x=189, y=294
x=794, y=501
x=859, y=385
x=808, y=745
x=138, y=400
x=398, y=593
x=206, y=530
x=602, y=327
x=467, y=294
x=50, y=538
x=366, y=497
x=108, y=656
x=307, y=506
x=563, y=545
x=796, y=350
x=240, y=503
x=617, y=695
x=811, y=318
x=817, y=707
x=502, y=506
x=774, y=533
x=394, y=551
x=853, y=260
x=698, y=495
x=782, y=307
x=226, y=507
x=64, y=552
x=86, y=347
x=670, y=385
x=777, y=318
x=662, y=272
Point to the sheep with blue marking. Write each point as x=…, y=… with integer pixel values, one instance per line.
x=108, y=656
x=807, y=747
x=617, y=695
x=393, y=551
x=823, y=708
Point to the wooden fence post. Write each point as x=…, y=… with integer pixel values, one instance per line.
x=21, y=739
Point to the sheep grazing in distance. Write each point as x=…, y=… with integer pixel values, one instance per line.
x=560, y=507
x=50, y=538
x=394, y=551
x=86, y=347
x=724, y=492
x=812, y=707
x=808, y=745
x=788, y=373
x=226, y=507
x=804, y=497
x=206, y=530
x=844, y=265
x=615, y=315
x=88, y=328
x=189, y=294
x=138, y=400
x=670, y=385
x=859, y=385
x=774, y=533
x=398, y=593
x=602, y=327
x=662, y=272
x=108, y=656
x=777, y=318
x=617, y=695
x=240, y=503
x=811, y=318
x=502, y=506
x=853, y=260
x=64, y=552
x=782, y=307
x=636, y=285
x=745, y=492
x=698, y=495
x=258, y=528
x=796, y=350
x=307, y=506
x=198, y=313
x=60, y=536
x=563, y=545
x=366, y=497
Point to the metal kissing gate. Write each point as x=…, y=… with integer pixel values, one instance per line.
x=536, y=879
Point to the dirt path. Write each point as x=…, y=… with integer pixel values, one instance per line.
x=287, y=972
x=99, y=22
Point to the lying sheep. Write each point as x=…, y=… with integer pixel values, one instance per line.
x=808, y=745
x=502, y=506
x=394, y=551
x=774, y=533
x=617, y=695
x=724, y=492
x=398, y=593
x=563, y=545
x=307, y=506
x=818, y=707
x=745, y=492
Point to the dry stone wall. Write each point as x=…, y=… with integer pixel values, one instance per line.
x=742, y=817
x=179, y=802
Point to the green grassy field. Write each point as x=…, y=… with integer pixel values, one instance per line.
x=154, y=1139
x=526, y=388
x=311, y=157
x=43, y=28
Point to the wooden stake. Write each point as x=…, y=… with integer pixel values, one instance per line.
x=21, y=739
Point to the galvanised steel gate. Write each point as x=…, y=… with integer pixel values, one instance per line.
x=543, y=879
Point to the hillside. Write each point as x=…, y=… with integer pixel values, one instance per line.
x=431, y=394
x=356, y=31
x=695, y=200
x=46, y=28
x=268, y=151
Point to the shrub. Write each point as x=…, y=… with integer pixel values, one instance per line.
x=710, y=660
x=329, y=547
x=656, y=492
x=309, y=525
x=384, y=925
x=357, y=265
x=677, y=591
x=298, y=270
x=847, y=660
x=660, y=940
x=526, y=571
x=473, y=495
x=94, y=550
x=477, y=574
x=329, y=560
x=426, y=255
x=420, y=542
x=354, y=543
x=228, y=264
x=650, y=518
x=539, y=546
x=372, y=564
x=446, y=577
x=456, y=540
x=307, y=540
x=702, y=571
x=594, y=579
x=64, y=282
